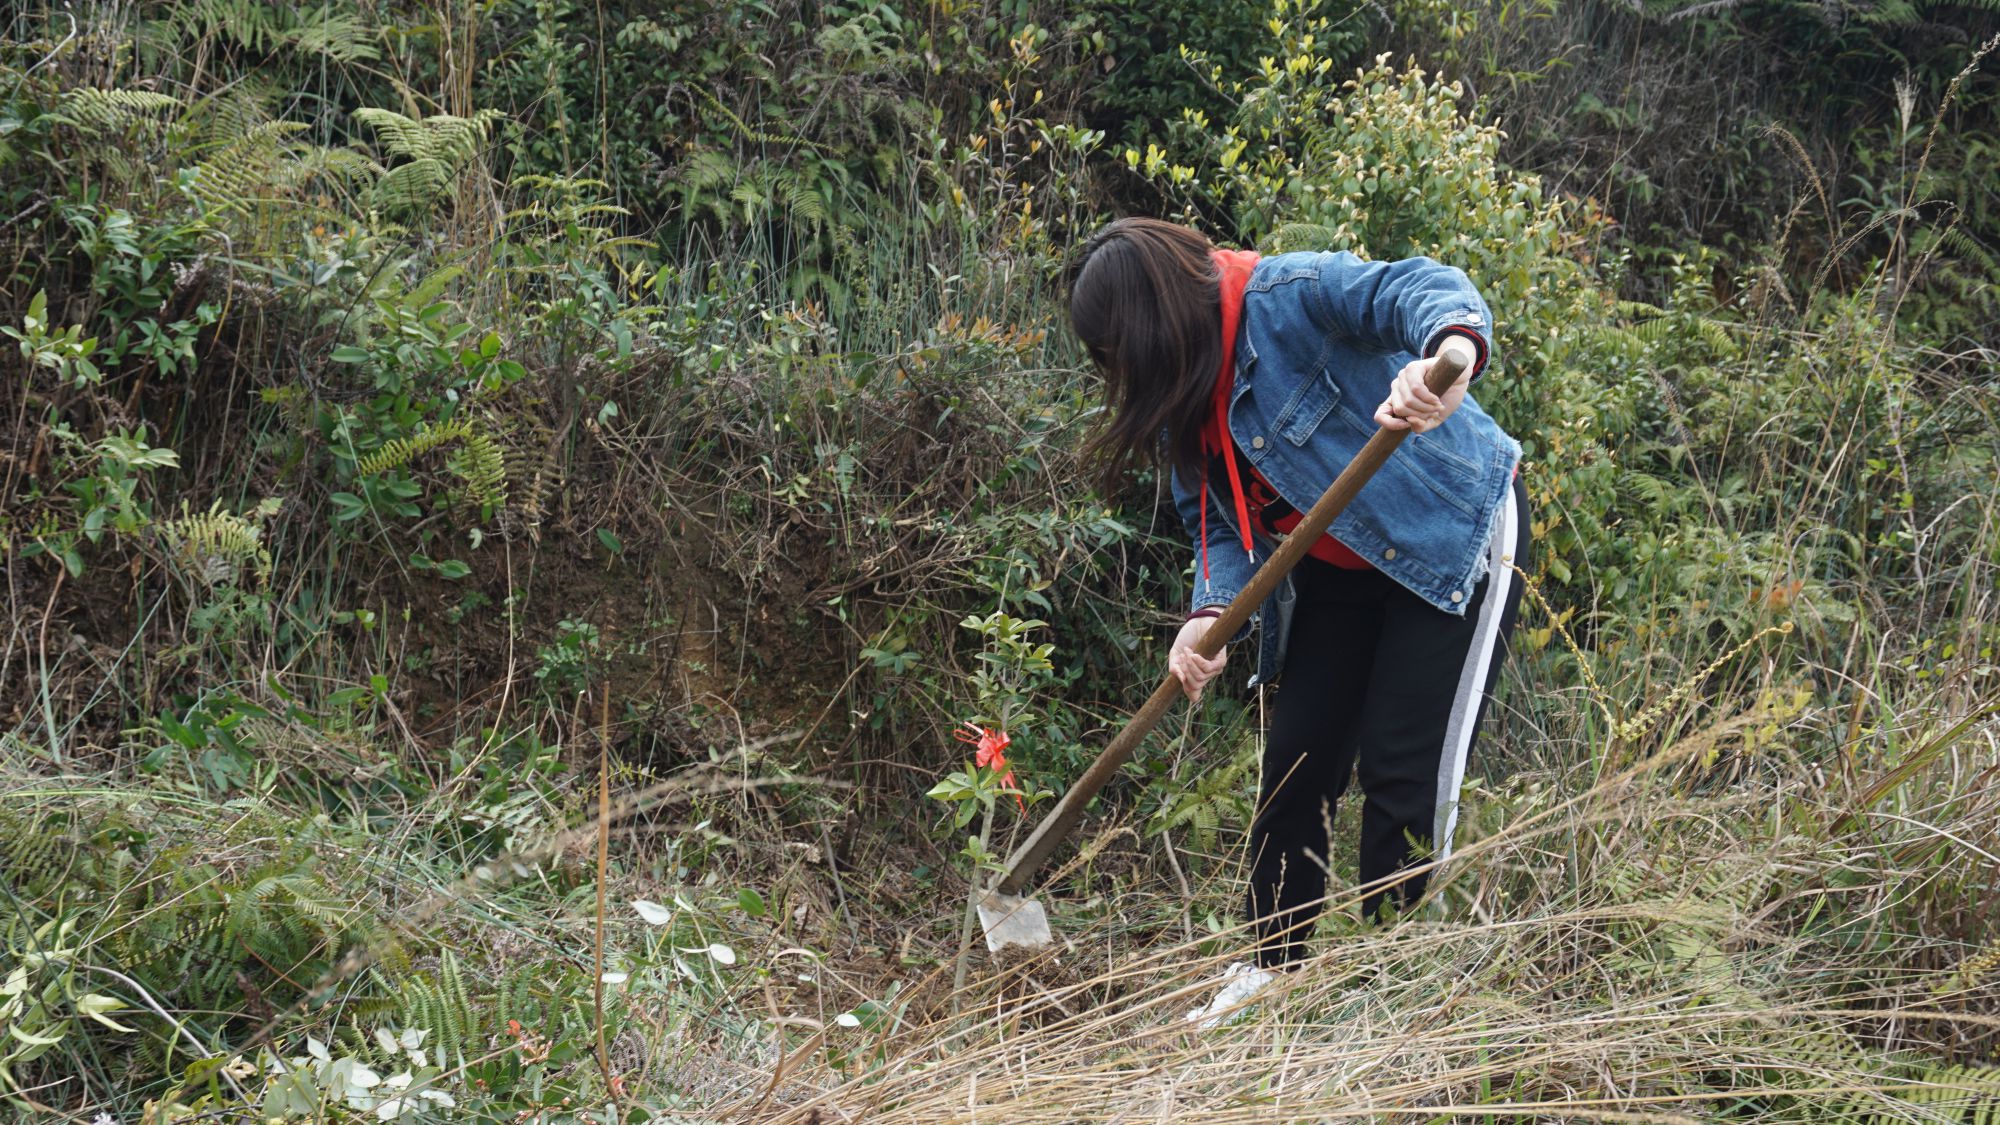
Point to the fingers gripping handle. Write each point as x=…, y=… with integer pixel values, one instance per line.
x=1453, y=358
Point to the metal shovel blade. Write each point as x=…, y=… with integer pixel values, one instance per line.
x=1013, y=920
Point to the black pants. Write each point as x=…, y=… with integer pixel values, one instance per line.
x=1374, y=677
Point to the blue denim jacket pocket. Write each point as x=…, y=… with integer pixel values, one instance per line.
x=1316, y=397
x=1439, y=449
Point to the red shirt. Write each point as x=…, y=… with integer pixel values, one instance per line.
x=1271, y=514
x=1275, y=517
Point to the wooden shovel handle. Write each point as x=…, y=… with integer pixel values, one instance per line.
x=1054, y=828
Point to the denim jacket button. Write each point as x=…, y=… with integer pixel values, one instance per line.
x=1389, y=554
x=1257, y=442
x=1456, y=596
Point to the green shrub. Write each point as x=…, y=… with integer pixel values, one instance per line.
x=1151, y=58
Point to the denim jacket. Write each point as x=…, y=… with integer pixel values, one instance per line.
x=1322, y=338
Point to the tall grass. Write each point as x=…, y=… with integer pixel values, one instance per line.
x=1718, y=928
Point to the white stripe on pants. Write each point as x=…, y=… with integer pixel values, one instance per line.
x=1465, y=704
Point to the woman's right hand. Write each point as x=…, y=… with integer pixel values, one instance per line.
x=1191, y=669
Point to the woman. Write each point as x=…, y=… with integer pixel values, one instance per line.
x=1254, y=381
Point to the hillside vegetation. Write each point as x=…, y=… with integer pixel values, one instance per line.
x=514, y=514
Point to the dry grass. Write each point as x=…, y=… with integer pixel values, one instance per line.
x=1640, y=951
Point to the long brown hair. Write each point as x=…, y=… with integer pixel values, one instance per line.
x=1145, y=299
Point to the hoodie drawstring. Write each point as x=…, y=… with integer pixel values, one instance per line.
x=1235, y=267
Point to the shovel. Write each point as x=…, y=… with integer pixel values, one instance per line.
x=1012, y=918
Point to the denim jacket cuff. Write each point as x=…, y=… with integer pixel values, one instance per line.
x=1208, y=600
x=1440, y=335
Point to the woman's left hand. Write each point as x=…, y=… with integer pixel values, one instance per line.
x=1411, y=405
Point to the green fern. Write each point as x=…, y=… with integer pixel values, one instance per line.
x=763, y=191
x=1651, y=324
x=306, y=905
x=209, y=916
x=399, y=453
x=434, y=150
x=749, y=134
x=248, y=167
x=1293, y=237
x=187, y=931
x=254, y=168
x=325, y=32
x=96, y=111
x=803, y=202
x=1960, y=242
x=703, y=174
x=215, y=546
x=439, y=1003
x=517, y=999
x=478, y=462
x=1966, y=1094
x=480, y=465
x=36, y=857
x=1200, y=807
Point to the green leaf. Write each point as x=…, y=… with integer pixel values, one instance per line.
x=610, y=541
x=957, y=786
x=39, y=1040
x=347, y=353
x=873, y=1015
x=156, y=458
x=95, y=1004
x=750, y=902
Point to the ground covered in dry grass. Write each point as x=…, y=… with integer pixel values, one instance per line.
x=1712, y=931
x=1659, y=945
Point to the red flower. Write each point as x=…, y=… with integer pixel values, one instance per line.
x=991, y=754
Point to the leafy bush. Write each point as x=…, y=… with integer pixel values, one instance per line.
x=1150, y=58
x=1810, y=126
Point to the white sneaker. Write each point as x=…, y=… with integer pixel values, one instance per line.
x=1240, y=982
